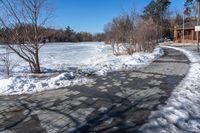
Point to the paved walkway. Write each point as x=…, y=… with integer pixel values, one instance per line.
x=119, y=102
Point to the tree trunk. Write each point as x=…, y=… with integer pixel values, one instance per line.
x=37, y=65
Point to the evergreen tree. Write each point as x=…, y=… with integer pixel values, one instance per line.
x=158, y=11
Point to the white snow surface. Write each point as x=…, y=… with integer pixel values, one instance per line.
x=67, y=64
x=181, y=114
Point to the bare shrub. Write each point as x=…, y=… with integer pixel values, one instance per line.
x=146, y=35
x=121, y=33
x=7, y=63
x=131, y=32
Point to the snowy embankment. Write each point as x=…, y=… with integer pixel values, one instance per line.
x=124, y=62
x=94, y=59
x=181, y=114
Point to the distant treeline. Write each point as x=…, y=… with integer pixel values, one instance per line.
x=69, y=35
x=53, y=35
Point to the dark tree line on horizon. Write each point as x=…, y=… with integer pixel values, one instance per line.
x=69, y=35
x=56, y=35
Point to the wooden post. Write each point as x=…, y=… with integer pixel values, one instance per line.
x=193, y=35
x=175, y=34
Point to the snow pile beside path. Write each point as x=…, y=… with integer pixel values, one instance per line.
x=28, y=85
x=181, y=114
x=125, y=62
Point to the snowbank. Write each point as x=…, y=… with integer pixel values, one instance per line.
x=181, y=114
x=31, y=84
x=124, y=62
x=101, y=62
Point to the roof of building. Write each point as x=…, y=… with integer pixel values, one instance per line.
x=187, y=25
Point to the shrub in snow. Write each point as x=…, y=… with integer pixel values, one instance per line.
x=6, y=63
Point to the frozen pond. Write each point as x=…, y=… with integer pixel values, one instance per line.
x=62, y=55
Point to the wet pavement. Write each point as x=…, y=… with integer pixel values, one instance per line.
x=119, y=102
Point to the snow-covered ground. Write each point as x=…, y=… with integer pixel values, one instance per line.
x=181, y=114
x=65, y=64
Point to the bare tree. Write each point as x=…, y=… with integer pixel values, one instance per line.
x=23, y=25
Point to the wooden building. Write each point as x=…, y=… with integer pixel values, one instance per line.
x=189, y=33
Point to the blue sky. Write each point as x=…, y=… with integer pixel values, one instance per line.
x=92, y=15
